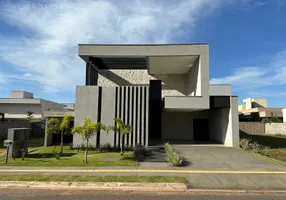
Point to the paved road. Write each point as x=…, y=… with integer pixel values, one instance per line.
x=31, y=194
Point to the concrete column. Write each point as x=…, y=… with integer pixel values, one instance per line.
x=122, y=110
x=107, y=114
x=142, y=115
x=87, y=74
x=138, y=115
x=87, y=99
x=147, y=117
x=126, y=114
x=130, y=115
x=134, y=115
x=117, y=113
x=48, y=138
x=284, y=115
x=232, y=135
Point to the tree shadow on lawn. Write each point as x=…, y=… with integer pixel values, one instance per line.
x=127, y=158
x=266, y=140
x=48, y=155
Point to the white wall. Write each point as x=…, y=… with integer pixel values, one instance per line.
x=172, y=85
x=275, y=128
x=51, y=106
x=194, y=79
x=179, y=125
x=284, y=115
x=20, y=110
x=224, y=124
x=218, y=124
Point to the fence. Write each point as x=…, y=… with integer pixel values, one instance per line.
x=275, y=128
x=257, y=128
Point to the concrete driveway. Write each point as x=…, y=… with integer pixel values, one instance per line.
x=217, y=157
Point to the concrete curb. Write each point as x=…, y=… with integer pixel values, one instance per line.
x=162, y=187
x=235, y=191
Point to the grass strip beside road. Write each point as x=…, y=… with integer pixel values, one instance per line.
x=141, y=179
x=269, y=159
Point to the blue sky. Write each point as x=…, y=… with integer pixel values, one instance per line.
x=247, y=39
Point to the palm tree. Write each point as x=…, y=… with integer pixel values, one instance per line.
x=64, y=129
x=29, y=115
x=56, y=126
x=122, y=129
x=87, y=130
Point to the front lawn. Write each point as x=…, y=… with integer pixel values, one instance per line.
x=276, y=145
x=45, y=157
x=149, y=179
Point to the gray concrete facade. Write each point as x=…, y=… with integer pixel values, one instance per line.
x=87, y=99
x=103, y=104
x=122, y=74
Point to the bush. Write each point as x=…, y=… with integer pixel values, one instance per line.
x=256, y=147
x=274, y=119
x=105, y=147
x=139, y=153
x=172, y=156
x=23, y=153
x=245, y=143
x=56, y=154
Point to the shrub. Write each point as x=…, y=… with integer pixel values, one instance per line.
x=172, y=156
x=23, y=153
x=105, y=147
x=56, y=154
x=256, y=147
x=139, y=153
x=245, y=143
x=273, y=119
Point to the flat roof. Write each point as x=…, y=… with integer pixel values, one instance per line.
x=144, y=44
x=19, y=101
x=156, y=58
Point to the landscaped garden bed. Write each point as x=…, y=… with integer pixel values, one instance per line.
x=48, y=156
x=272, y=146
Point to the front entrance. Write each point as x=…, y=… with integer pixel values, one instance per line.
x=201, y=129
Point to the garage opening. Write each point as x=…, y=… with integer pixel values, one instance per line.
x=201, y=129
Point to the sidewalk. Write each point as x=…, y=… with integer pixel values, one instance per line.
x=197, y=179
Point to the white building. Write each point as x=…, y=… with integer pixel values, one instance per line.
x=163, y=91
x=20, y=102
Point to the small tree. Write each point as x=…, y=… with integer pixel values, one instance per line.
x=64, y=129
x=87, y=130
x=53, y=126
x=122, y=129
x=273, y=119
x=29, y=115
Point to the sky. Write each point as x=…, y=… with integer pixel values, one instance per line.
x=38, y=41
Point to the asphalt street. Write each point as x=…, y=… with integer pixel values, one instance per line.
x=32, y=194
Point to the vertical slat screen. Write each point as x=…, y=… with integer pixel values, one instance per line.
x=132, y=106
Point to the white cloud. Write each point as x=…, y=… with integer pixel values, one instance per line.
x=3, y=78
x=47, y=52
x=272, y=73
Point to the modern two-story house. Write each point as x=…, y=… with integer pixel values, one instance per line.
x=163, y=91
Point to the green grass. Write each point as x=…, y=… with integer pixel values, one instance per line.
x=44, y=157
x=34, y=142
x=149, y=179
x=269, y=159
x=272, y=141
x=276, y=144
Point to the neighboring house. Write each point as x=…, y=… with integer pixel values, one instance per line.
x=257, y=107
x=163, y=91
x=14, y=112
x=69, y=106
x=16, y=107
